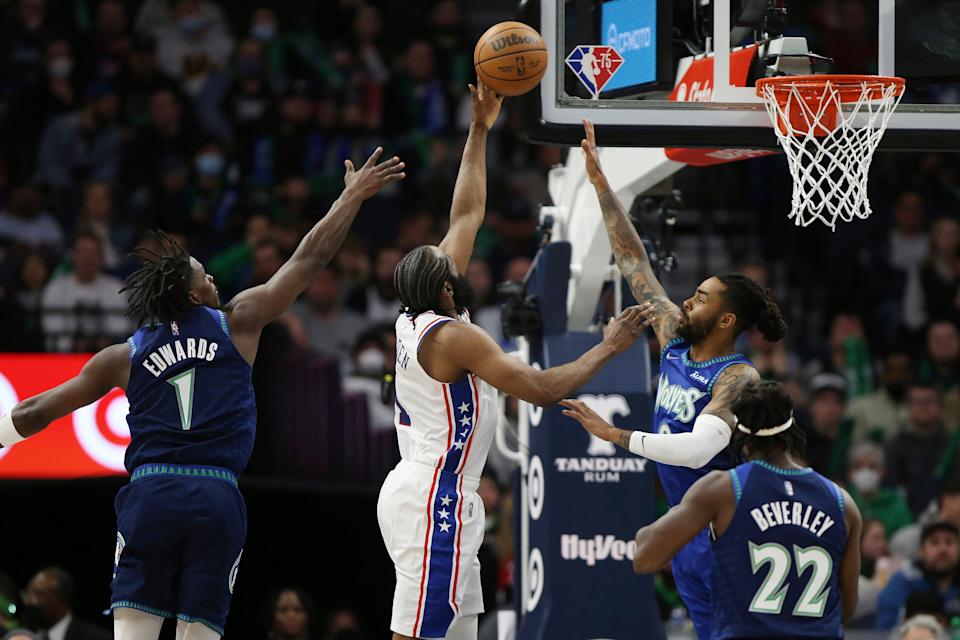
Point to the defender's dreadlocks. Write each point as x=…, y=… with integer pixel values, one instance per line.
x=160, y=289
x=418, y=278
x=762, y=405
x=753, y=306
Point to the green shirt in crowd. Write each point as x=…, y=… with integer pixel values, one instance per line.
x=887, y=506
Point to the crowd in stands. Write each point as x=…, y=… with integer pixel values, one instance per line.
x=227, y=124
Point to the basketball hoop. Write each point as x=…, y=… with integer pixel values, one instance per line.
x=829, y=127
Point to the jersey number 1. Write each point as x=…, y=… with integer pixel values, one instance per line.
x=771, y=594
x=183, y=384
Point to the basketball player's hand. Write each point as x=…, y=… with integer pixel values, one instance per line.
x=369, y=179
x=486, y=105
x=586, y=416
x=590, y=154
x=649, y=313
x=622, y=331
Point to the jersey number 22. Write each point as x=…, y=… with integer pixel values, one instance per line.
x=772, y=592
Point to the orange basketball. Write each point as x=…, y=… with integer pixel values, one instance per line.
x=510, y=58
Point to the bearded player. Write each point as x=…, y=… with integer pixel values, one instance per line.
x=700, y=375
x=181, y=520
x=447, y=375
x=786, y=540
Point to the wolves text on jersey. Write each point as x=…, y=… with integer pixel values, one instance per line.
x=678, y=400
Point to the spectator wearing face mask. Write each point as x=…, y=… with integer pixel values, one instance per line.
x=371, y=360
x=214, y=199
x=865, y=476
x=197, y=27
x=878, y=415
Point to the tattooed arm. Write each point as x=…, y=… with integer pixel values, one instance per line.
x=627, y=247
x=726, y=389
x=711, y=430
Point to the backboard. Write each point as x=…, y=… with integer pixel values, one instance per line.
x=681, y=73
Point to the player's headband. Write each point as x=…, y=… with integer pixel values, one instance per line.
x=770, y=431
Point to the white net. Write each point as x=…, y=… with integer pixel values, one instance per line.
x=829, y=130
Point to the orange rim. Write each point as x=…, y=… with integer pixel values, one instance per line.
x=849, y=86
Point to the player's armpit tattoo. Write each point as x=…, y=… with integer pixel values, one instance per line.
x=732, y=381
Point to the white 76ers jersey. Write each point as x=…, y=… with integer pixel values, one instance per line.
x=449, y=426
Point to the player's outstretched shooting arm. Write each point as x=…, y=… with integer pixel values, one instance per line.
x=627, y=247
x=459, y=347
x=248, y=312
x=251, y=310
x=470, y=191
x=711, y=432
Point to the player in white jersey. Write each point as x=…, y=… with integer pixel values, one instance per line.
x=448, y=373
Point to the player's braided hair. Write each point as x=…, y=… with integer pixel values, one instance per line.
x=764, y=404
x=160, y=289
x=752, y=305
x=418, y=278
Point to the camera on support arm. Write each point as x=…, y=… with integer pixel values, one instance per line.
x=519, y=312
x=655, y=219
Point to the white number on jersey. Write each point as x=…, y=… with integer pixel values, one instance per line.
x=183, y=384
x=772, y=592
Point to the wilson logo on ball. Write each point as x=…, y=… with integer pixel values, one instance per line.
x=510, y=58
x=512, y=40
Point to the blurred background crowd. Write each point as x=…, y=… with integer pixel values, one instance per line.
x=227, y=124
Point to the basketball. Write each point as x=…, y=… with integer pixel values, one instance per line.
x=510, y=58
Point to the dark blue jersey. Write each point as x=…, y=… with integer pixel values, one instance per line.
x=776, y=568
x=191, y=395
x=685, y=388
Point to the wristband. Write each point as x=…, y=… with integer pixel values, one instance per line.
x=9, y=435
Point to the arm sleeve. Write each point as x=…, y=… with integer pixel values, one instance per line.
x=710, y=435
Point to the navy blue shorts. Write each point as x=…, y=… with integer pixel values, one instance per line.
x=180, y=534
x=692, y=568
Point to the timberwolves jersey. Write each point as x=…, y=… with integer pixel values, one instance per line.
x=191, y=395
x=776, y=568
x=685, y=388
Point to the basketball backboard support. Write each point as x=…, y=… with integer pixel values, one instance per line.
x=718, y=113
